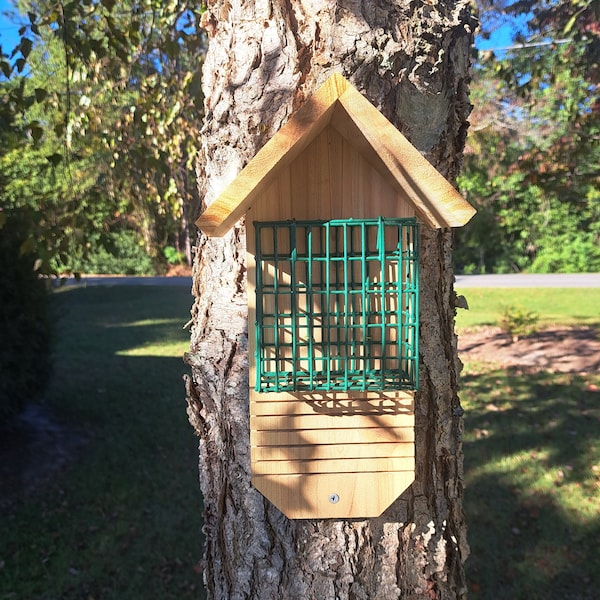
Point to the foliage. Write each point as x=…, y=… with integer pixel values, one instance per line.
x=25, y=361
x=531, y=165
x=62, y=201
x=517, y=322
x=173, y=256
x=124, y=519
x=117, y=120
x=116, y=252
x=532, y=454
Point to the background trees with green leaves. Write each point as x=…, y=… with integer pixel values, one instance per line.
x=100, y=111
x=106, y=112
x=531, y=165
x=107, y=99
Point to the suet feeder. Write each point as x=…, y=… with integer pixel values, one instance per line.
x=334, y=203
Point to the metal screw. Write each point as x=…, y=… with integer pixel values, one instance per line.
x=334, y=498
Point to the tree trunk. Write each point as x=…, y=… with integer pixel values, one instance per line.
x=411, y=60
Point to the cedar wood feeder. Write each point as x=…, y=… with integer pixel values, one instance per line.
x=333, y=205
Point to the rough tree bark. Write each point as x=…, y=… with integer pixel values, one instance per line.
x=265, y=57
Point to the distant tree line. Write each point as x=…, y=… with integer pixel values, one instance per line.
x=533, y=152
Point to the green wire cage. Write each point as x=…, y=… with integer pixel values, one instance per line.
x=337, y=305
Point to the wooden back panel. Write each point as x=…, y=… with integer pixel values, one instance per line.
x=331, y=179
x=332, y=455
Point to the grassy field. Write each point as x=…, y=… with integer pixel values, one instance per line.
x=532, y=469
x=124, y=521
x=573, y=306
x=532, y=460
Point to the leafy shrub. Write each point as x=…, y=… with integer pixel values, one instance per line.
x=173, y=256
x=568, y=254
x=24, y=323
x=113, y=253
x=518, y=322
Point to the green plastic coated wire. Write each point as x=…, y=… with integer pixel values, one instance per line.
x=337, y=305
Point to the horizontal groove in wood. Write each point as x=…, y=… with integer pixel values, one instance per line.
x=333, y=436
x=403, y=396
x=361, y=465
x=333, y=451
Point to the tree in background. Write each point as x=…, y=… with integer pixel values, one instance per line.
x=24, y=320
x=264, y=59
x=122, y=114
x=532, y=158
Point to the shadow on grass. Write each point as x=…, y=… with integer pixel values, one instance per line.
x=532, y=502
x=124, y=520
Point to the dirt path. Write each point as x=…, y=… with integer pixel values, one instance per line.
x=565, y=350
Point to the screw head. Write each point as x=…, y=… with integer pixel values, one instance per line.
x=334, y=498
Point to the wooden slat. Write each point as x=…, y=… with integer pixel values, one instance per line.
x=335, y=436
x=405, y=397
x=326, y=421
x=357, y=465
x=332, y=451
x=359, y=495
x=357, y=407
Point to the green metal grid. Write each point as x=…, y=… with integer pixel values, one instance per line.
x=337, y=305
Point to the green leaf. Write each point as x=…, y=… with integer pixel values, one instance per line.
x=37, y=132
x=40, y=94
x=6, y=68
x=54, y=159
x=570, y=24
x=25, y=47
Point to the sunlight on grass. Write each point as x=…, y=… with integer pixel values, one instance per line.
x=177, y=323
x=168, y=349
x=124, y=520
x=569, y=306
x=532, y=498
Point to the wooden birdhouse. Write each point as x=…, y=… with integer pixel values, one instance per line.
x=333, y=205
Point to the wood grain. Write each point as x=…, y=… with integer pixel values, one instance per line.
x=341, y=173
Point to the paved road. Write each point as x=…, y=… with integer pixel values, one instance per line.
x=561, y=280
x=524, y=280
x=91, y=281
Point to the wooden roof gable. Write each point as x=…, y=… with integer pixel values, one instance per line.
x=339, y=104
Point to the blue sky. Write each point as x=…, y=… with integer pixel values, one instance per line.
x=9, y=31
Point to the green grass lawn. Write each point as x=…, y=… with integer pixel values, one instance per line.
x=532, y=460
x=124, y=521
x=571, y=306
x=532, y=470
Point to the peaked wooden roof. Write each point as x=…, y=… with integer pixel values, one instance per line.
x=436, y=202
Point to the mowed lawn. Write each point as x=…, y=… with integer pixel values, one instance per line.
x=553, y=306
x=124, y=521
x=532, y=460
